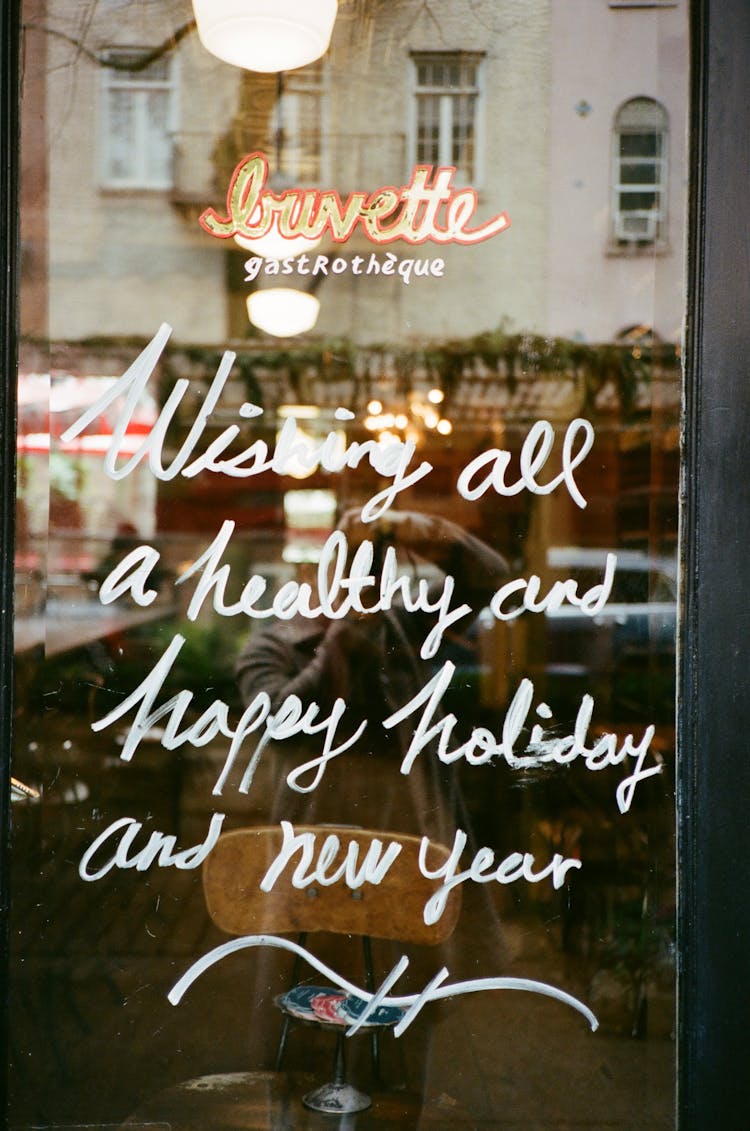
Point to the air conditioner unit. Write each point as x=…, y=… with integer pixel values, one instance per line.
x=636, y=226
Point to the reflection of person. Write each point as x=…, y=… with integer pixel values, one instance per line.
x=372, y=661
x=125, y=539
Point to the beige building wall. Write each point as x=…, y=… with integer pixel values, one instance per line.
x=500, y=281
x=122, y=261
x=596, y=289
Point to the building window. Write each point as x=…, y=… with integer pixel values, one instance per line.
x=138, y=121
x=299, y=124
x=639, y=195
x=283, y=116
x=447, y=88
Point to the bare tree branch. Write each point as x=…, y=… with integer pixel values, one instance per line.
x=131, y=63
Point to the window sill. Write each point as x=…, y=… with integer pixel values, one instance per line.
x=636, y=250
x=134, y=189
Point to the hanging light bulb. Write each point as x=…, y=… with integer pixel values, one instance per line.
x=283, y=311
x=266, y=35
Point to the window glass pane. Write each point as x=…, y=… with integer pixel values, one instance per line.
x=347, y=568
x=640, y=145
x=462, y=148
x=638, y=200
x=428, y=128
x=639, y=174
x=156, y=141
x=121, y=140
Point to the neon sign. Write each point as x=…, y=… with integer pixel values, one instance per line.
x=427, y=208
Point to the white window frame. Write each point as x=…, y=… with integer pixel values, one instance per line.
x=139, y=85
x=635, y=227
x=448, y=96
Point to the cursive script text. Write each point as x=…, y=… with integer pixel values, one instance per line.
x=410, y=213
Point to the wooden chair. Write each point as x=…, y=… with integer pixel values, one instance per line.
x=391, y=909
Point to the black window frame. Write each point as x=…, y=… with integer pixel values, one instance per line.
x=714, y=665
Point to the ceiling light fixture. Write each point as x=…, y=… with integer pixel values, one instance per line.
x=283, y=311
x=266, y=35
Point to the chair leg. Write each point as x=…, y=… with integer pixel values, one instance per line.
x=281, y=1050
x=338, y=1097
x=370, y=983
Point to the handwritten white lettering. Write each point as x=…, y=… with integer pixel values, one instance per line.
x=482, y=746
x=160, y=849
x=327, y=868
x=414, y=1002
x=338, y=594
x=388, y=458
x=483, y=870
x=372, y=870
x=591, y=602
x=289, y=720
x=535, y=452
x=407, y=269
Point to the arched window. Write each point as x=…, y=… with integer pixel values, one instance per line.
x=639, y=181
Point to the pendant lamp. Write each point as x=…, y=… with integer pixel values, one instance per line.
x=266, y=35
x=283, y=311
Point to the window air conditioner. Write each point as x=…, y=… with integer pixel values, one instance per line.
x=636, y=226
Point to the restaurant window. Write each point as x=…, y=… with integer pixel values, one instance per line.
x=447, y=110
x=639, y=191
x=358, y=561
x=139, y=105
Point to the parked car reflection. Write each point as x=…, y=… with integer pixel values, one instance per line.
x=625, y=654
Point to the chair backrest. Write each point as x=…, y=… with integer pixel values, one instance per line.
x=390, y=909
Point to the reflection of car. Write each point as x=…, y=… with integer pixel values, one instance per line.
x=640, y=611
x=625, y=653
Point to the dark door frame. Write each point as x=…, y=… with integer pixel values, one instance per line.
x=714, y=675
